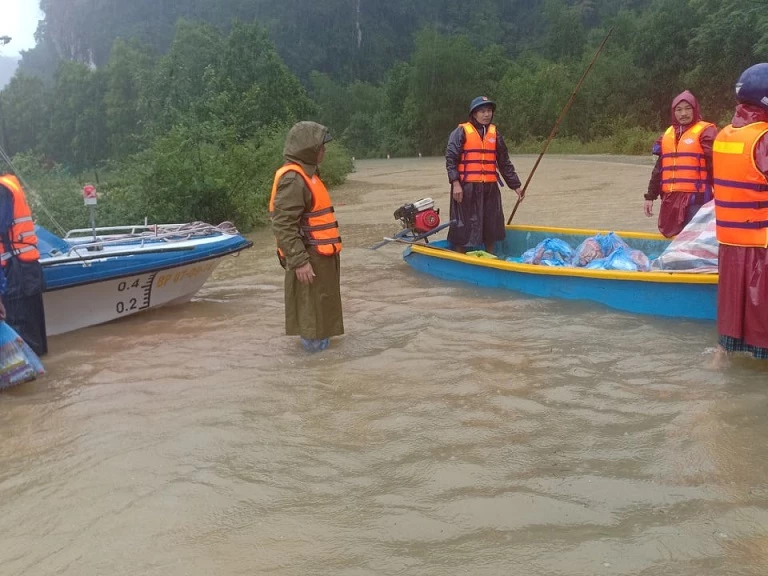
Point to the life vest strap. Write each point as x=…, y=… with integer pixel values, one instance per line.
x=683, y=155
x=742, y=185
x=743, y=225
x=479, y=151
x=319, y=227
x=754, y=205
x=25, y=235
x=8, y=255
x=323, y=212
x=315, y=242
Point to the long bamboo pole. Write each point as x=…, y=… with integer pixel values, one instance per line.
x=559, y=120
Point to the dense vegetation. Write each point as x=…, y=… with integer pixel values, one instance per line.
x=179, y=108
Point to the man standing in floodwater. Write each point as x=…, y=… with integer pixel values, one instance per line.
x=475, y=152
x=308, y=240
x=741, y=218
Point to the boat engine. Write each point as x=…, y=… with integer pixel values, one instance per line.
x=420, y=220
x=419, y=217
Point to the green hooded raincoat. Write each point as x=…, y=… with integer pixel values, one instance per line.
x=311, y=310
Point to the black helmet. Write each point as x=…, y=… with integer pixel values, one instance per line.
x=481, y=101
x=752, y=87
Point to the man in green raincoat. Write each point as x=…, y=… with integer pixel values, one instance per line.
x=308, y=240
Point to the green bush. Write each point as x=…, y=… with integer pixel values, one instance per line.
x=188, y=174
x=55, y=197
x=203, y=173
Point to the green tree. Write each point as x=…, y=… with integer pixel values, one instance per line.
x=661, y=48
x=445, y=76
x=77, y=135
x=266, y=92
x=23, y=114
x=726, y=42
x=565, y=36
x=129, y=73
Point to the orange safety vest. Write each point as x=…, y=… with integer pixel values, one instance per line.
x=21, y=233
x=741, y=189
x=683, y=163
x=318, y=227
x=478, y=157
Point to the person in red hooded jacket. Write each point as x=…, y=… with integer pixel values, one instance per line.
x=741, y=219
x=683, y=172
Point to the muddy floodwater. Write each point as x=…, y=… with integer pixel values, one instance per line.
x=452, y=430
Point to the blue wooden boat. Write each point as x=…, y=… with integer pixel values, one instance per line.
x=671, y=294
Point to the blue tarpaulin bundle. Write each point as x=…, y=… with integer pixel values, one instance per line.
x=18, y=363
x=622, y=259
x=600, y=252
x=549, y=252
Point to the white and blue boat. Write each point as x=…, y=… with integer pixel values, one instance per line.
x=658, y=293
x=96, y=275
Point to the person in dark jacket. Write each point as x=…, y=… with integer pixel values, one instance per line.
x=475, y=156
x=682, y=175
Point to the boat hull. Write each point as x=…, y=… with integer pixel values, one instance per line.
x=69, y=309
x=668, y=294
x=89, y=287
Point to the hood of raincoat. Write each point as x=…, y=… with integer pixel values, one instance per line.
x=303, y=144
x=686, y=96
x=748, y=114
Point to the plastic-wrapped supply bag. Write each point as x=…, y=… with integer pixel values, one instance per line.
x=695, y=249
x=18, y=363
x=597, y=247
x=588, y=251
x=638, y=258
x=549, y=252
x=610, y=243
x=625, y=259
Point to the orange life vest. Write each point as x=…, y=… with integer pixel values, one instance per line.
x=683, y=163
x=21, y=233
x=741, y=190
x=318, y=227
x=478, y=157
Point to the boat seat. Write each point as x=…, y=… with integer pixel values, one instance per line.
x=49, y=244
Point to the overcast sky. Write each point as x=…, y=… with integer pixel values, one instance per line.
x=19, y=21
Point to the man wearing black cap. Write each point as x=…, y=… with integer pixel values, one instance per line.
x=475, y=156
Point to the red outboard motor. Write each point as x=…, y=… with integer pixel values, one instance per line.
x=419, y=217
x=420, y=220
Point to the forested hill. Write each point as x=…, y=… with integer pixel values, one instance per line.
x=348, y=39
x=183, y=104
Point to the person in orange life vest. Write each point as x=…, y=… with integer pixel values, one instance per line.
x=20, y=264
x=682, y=175
x=308, y=239
x=475, y=156
x=741, y=220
